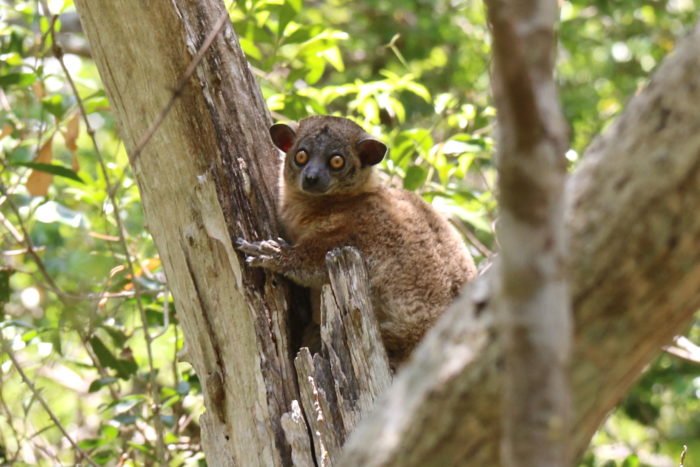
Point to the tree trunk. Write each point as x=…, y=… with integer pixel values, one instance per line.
x=208, y=175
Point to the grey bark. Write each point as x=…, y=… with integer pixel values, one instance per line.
x=341, y=383
x=631, y=214
x=207, y=175
x=533, y=302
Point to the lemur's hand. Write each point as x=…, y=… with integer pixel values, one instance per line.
x=267, y=254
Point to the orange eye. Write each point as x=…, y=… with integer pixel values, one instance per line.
x=301, y=157
x=337, y=162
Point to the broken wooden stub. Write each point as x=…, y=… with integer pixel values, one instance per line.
x=340, y=384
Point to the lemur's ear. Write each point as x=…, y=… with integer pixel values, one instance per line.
x=371, y=151
x=283, y=136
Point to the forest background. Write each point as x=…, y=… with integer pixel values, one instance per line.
x=74, y=332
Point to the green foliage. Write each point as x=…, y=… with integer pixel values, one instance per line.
x=414, y=73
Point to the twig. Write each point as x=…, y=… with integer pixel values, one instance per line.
x=11, y=228
x=683, y=453
x=471, y=238
x=157, y=422
x=10, y=458
x=177, y=92
x=684, y=348
x=166, y=315
x=81, y=454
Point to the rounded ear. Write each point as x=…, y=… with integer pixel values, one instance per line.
x=283, y=136
x=371, y=151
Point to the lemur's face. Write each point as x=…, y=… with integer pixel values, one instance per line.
x=327, y=155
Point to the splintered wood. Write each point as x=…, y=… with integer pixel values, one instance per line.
x=340, y=384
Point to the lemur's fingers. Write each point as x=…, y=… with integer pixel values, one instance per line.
x=270, y=247
x=247, y=247
x=267, y=253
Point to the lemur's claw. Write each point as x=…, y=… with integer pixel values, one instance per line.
x=266, y=253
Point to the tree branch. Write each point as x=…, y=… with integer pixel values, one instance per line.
x=534, y=309
x=635, y=283
x=685, y=349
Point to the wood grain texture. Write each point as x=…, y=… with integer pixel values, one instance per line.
x=200, y=179
x=341, y=384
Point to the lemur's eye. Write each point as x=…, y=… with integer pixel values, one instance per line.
x=337, y=162
x=301, y=157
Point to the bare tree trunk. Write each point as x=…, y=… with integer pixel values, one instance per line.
x=533, y=296
x=207, y=175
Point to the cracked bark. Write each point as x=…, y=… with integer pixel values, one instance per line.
x=200, y=179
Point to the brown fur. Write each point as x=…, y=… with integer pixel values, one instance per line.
x=416, y=261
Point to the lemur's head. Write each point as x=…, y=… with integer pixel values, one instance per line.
x=327, y=155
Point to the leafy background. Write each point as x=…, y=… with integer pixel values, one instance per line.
x=88, y=325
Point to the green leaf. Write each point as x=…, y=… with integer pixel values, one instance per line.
x=87, y=444
x=29, y=335
x=125, y=419
x=54, y=105
x=154, y=316
x=21, y=79
x=332, y=54
x=104, y=355
x=126, y=403
x=54, y=169
x=109, y=432
x=415, y=177
x=286, y=14
x=118, y=336
x=12, y=59
x=66, y=4
x=144, y=448
x=250, y=49
x=96, y=103
x=316, y=68
x=300, y=35
x=124, y=367
x=183, y=387
x=419, y=90
x=170, y=401
x=100, y=383
x=104, y=457
x=5, y=273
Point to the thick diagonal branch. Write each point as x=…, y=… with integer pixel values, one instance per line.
x=635, y=283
